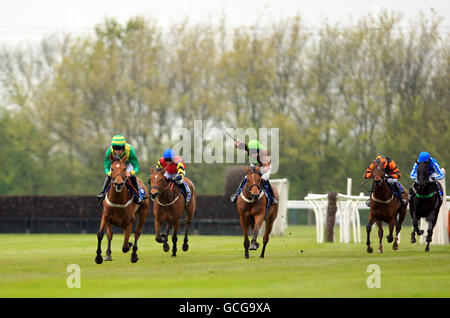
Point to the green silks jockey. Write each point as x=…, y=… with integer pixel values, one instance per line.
x=120, y=150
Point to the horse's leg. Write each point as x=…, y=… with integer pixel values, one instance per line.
x=158, y=228
x=412, y=212
x=244, y=228
x=267, y=230
x=368, y=230
x=431, y=220
x=259, y=219
x=398, y=225
x=189, y=215
x=137, y=233
x=175, y=238
x=100, y=233
x=391, y=224
x=165, y=238
x=126, y=238
x=380, y=235
x=109, y=234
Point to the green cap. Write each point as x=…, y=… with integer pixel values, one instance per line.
x=254, y=144
x=118, y=140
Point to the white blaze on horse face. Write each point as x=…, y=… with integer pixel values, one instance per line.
x=117, y=165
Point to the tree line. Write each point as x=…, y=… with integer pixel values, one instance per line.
x=339, y=94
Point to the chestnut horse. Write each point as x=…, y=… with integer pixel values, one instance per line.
x=384, y=206
x=168, y=208
x=425, y=203
x=251, y=205
x=119, y=210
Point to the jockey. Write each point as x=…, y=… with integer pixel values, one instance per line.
x=393, y=174
x=258, y=156
x=434, y=170
x=175, y=171
x=119, y=149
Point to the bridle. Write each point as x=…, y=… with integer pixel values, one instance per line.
x=159, y=191
x=379, y=170
x=253, y=184
x=422, y=182
x=114, y=177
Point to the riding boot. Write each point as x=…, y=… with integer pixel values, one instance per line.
x=438, y=189
x=233, y=197
x=135, y=191
x=398, y=189
x=187, y=191
x=272, y=195
x=102, y=194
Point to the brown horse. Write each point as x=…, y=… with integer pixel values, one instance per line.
x=384, y=206
x=251, y=205
x=119, y=210
x=168, y=208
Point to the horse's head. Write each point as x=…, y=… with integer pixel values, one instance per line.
x=118, y=175
x=158, y=182
x=378, y=171
x=422, y=174
x=254, y=181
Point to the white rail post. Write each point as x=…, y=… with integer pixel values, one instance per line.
x=440, y=231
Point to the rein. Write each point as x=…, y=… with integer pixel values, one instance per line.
x=117, y=205
x=261, y=193
x=162, y=191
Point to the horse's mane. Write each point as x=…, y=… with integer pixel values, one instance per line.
x=422, y=171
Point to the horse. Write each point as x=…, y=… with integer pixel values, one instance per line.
x=384, y=207
x=119, y=210
x=251, y=205
x=425, y=203
x=168, y=208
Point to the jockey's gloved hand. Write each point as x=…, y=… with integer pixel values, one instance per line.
x=177, y=178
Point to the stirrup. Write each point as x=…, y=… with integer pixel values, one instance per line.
x=233, y=197
x=137, y=199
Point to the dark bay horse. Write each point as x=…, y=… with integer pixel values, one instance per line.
x=425, y=203
x=119, y=210
x=384, y=206
x=168, y=208
x=251, y=205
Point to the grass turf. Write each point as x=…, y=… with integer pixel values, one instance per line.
x=34, y=265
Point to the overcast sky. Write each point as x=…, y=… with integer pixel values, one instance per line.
x=30, y=20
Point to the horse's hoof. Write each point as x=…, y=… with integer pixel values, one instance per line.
x=134, y=259
x=166, y=247
x=158, y=239
x=427, y=249
x=380, y=251
x=98, y=259
x=108, y=258
x=185, y=247
x=261, y=256
x=413, y=240
x=174, y=255
x=389, y=239
x=369, y=249
x=395, y=247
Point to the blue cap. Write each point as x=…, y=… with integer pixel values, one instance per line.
x=424, y=156
x=169, y=154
